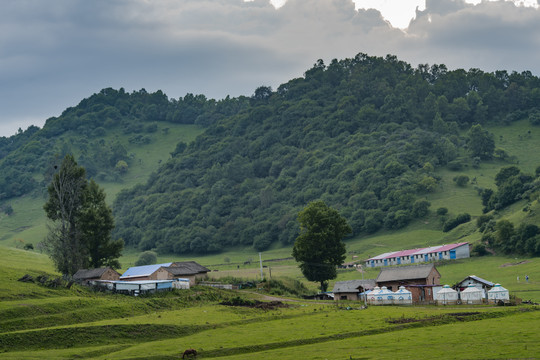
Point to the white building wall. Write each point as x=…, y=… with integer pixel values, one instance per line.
x=462, y=252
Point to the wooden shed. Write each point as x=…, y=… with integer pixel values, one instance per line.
x=85, y=276
x=418, y=279
x=350, y=289
x=187, y=270
x=480, y=283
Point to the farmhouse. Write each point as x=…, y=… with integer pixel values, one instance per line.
x=187, y=270
x=420, y=280
x=85, y=276
x=351, y=289
x=413, y=256
x=166, y=271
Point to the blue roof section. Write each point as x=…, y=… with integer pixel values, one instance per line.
x=145, y=270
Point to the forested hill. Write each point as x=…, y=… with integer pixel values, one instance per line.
x=364, y=134
x=99, y=131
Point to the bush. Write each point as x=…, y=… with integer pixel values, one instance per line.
x=420, y=208
x=461, y=180
x=454, y=222
x=146, y=258
x=479, y=250
x=442, y=211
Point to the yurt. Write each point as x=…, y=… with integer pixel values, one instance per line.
x=387, y=296
x=446, y=296
x=403, y=296
x=472, y=295
x=497, y=293
x=373, y=297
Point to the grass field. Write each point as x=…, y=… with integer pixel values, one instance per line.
x=77, y=323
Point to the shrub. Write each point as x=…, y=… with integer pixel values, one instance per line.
x=454, y=222
x=146, y=258
x=461, y=180
x=479, y=250
x=442, y=211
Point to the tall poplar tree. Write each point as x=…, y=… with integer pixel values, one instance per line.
x=80, y=233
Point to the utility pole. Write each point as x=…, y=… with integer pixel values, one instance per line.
x=260, y=262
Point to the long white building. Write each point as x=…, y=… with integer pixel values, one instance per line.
x=421, y=255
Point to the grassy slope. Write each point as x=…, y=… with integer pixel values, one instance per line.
x=28, y=223
x=65, y=324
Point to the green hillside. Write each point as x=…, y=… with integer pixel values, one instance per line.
x=382, y=142
x=373, y=137
x=27, y=222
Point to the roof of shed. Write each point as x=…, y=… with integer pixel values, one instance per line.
x=82, y=274
x=352, y=285
x=405, y=273
x=186, y=268
x=477, y=279
x=145, y=270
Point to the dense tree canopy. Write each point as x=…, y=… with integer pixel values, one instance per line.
x=80, y=235
x=319, y=248
x=366, y=135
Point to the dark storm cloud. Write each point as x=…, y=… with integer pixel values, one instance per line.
x=54, y=53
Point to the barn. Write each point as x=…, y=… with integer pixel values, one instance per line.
x=86, y=276
x=166, y=271
x=480, y=283
x=420, y=280
x=187, y=270
x=351, y=289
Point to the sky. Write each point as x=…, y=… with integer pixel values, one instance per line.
x=55, y=53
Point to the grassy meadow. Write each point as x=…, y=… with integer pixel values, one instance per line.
x=37, y=322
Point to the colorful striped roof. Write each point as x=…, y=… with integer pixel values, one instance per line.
x=419, y=251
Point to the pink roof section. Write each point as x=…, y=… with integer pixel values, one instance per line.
x=419, y=251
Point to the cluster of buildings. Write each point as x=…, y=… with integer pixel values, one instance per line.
x=143, y=279
x=419, y=284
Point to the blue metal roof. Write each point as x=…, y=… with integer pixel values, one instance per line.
x=145, y=270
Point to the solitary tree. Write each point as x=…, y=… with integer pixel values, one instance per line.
x=319, y=248
x=480, y=142
x=80, y=234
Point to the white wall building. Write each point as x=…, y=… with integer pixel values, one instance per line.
x=421, y=255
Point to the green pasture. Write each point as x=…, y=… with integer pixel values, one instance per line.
x=37, y=322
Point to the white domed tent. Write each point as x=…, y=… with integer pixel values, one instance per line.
x=472, y=295
x=373, y=297
x=498, y=293
x=387, y=296
x=446, y=296
x=403, y=296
